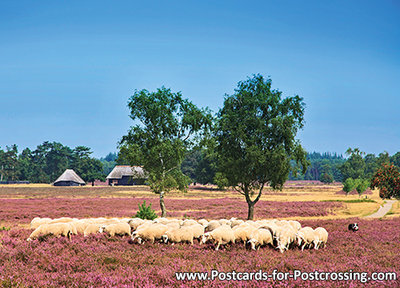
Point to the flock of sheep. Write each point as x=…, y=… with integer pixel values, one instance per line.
x=281, y=234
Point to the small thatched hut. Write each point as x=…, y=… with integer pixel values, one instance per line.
x=127, y=175
x=69, y=178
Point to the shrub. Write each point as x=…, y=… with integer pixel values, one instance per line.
x=348, y=185
x=146, y=212
x=326, y=178
x=361, y=185
x=387, y=180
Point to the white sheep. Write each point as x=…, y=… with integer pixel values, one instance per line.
x=189, y=222
x=152, y=232
x=92, y=228
x=80, y=225
x=295, y=224
x=56, y=229
x=212, y=225
x=243, y=233
x=37, y=221
x=321, y=237
x=197, y=229
x=203, y=222
x=116, y=229
x=62, y=220
x=174, y=225
x=285, y=236
x=179, y=235
x=305, y=236
x=161, y=220
x=224, y=222
x=261, y=237
x=135, y=222
x=236, y=222
x=220, y=236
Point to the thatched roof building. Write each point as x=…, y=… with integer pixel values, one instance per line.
x=127, y=175
x=69, y=178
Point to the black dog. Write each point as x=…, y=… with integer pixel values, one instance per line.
x=353, y=227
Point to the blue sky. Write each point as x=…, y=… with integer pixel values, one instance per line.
x=68, y=67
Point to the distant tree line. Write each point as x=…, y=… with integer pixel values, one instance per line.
x=47, y=162
x=201, y=166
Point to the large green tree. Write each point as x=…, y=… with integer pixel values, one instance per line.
x=166, y=126
x=354, y=167
x=255, y=137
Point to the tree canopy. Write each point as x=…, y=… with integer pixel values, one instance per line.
x=166, y=126
x=255, y=135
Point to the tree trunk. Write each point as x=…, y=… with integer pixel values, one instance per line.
x=162, y=205
x=92, y=182
x=250, y=214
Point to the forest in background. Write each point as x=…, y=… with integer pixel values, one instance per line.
x=50, y=159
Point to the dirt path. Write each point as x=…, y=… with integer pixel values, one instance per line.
x=383, y=210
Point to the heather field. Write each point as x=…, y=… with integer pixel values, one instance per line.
x=102, y=261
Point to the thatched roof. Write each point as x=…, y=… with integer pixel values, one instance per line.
x=123, y=170
x=70, y=175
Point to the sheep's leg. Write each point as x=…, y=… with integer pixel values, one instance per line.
x=302, y=247
x=219, y=243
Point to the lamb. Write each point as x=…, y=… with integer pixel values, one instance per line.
x=243, y=233
x=221, y=235
x=321, y=237
x=116, y=229
x=152, y=232
x=212, y=225
x=305, y=236
x=56, y=229
x=91, y=229
x=37, y=221
x=183, y=234
x=261, y=237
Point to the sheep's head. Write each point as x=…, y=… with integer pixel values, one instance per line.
x=165, y=238
x=101, y=229
x=299, y=238
x=253, y=243
x=205, y=238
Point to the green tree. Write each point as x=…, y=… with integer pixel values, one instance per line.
x=255, y=137
x=348, y=185
x=326, y=178
x=371, y=165
x=395, y=159
x=361, y=185
x=8, y=163
x=190, y=163
x=354, y=167
x=90, y=169
x=166, y=128
x=25, y=165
